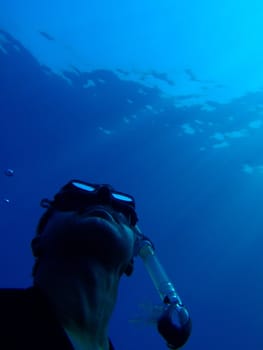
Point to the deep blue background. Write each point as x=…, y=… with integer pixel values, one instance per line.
x=202, y=211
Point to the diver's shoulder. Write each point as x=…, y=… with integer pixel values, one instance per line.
x=11, y=294
x=6, y=293
x=13, y=298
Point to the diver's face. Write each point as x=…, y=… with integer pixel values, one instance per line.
x=98, y=232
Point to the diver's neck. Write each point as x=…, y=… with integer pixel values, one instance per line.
x=83, y=304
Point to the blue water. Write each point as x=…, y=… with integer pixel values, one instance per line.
x=195, y=168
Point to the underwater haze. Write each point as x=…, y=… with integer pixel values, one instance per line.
x=163, y=100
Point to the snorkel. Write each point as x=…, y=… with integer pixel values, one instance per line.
x=174, y=324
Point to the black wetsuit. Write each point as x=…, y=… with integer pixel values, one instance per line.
x=28, y=322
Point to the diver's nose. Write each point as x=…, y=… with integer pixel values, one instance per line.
x=104, y=194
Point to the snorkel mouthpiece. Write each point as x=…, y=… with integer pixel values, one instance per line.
x=174, y=324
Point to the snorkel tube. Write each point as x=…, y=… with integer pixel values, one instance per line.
x=174, y=324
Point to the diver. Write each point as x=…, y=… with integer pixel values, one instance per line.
x=85, y=241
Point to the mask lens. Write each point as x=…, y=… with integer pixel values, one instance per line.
x=122, y=197
x=83, y=187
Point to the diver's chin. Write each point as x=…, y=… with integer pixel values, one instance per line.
x=101, y=228
x=98, y=222
x=106, y=236
x=99, y=213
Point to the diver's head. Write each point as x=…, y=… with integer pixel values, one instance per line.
x=87, y=221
